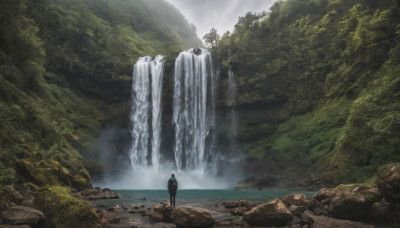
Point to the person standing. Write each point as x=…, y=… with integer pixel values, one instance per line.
x=172, y=188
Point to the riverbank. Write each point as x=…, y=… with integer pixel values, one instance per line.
x=354, y=205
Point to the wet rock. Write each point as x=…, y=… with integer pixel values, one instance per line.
x=19, y=215
x=323, y=222
x=107, y=217
x=164, y=225
x=272, y=213
x=382, y=212
x=324, y=195
x=350, y=205
x=162, y=212
x=96, y=194
x=297, y=210
x=15, y=226
x=192, y=217
x=238, y=211
x=297, y=200
x=389, y=182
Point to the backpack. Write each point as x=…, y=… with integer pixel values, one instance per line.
x=173, y=185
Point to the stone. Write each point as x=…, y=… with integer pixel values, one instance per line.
x=96, y=194
x=296, y=199
x=389, y=182
x=297, y=210
x=161, y=212
x=382, y=212
x=324, y=221
x=164, y=225
x=109, y=217
x=350, y=205
x=238, y=211
x=324, y=194
x=271, y=213
x=192, y=217
x=19, y=215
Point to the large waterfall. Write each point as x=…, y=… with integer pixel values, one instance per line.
x=192, y=155
x=146, y=103
x=194, y=110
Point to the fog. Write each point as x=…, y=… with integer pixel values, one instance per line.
x=220, y=14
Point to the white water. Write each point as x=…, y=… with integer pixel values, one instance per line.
x=195, y=158
x=143, y=108
x=194, y=111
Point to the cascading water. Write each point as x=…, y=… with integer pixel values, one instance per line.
x=146, y=72
x=194, y=110
x=193, y=120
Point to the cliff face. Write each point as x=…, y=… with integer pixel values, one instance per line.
x=318, y=86
x=65, y=76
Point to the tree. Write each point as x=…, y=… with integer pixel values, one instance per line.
x=211, y=38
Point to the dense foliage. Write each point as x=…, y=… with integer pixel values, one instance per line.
x=327, y=72
x=65, y=72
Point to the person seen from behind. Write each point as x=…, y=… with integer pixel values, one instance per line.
x=172, y=188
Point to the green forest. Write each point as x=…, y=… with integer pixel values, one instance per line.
x=324, y=74
x=66, y=73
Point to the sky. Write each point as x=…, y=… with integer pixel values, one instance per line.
x=220, y=14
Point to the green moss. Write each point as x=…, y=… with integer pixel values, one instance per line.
x=65, y=211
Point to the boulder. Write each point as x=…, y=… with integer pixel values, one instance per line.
x=19, y=215
x=324, y=195
x=382, y=212
x=389, y=182
x=107, y=217
x=96, y=194
x=162, y=212
x=192, y=217
x=297, y=210
x=164, y=225
x=272, y=213
x=350, y=205
x=323, y=222
x=239, y=211
x=297, y=200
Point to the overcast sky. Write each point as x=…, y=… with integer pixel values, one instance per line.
x=220, y=14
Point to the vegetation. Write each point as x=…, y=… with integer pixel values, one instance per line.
x=327, y=72
x=64, y=210
x=211, y=38
x=65, y=73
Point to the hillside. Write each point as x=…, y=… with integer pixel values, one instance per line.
x=66, y=74
x=320, y=80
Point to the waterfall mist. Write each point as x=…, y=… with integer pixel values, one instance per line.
x=193, y=155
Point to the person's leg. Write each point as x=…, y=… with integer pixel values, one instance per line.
x=174, y=198
x=170, y=199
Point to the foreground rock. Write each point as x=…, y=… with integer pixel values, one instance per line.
x=299, y=200
x=324, y=221
x=19, y=215
x=272, y=213
x=64, y=210
x=389, y=182
x=161, y=212
x=192, y=217
x=96, y=194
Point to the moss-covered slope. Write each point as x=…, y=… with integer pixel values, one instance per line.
x=65, y=74
x=322, y=80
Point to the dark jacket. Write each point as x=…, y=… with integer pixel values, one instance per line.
x=171, y=186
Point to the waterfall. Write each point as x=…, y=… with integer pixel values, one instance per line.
x=231, y=102
x=194, y=110
x=146, y=72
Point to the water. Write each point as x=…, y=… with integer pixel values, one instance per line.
x=147, y=80
x=194, y=111
x=197, y=198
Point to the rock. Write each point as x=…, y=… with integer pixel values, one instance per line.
x=323, y=222
x=192, y=217
x=161, y=212
x=17, y=197
x=350, y=205
x=164, y=225
x=229, y=205
x=96, y=194
x=297, y=210
x=323, y=194
x=15, y=226
x=296, y=199
x=20, y=215
x=109, y=217
x=238, y=211
x=272, y=213
x=382, y=212
x=389, y=182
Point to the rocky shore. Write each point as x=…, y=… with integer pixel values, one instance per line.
x=354, y=205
